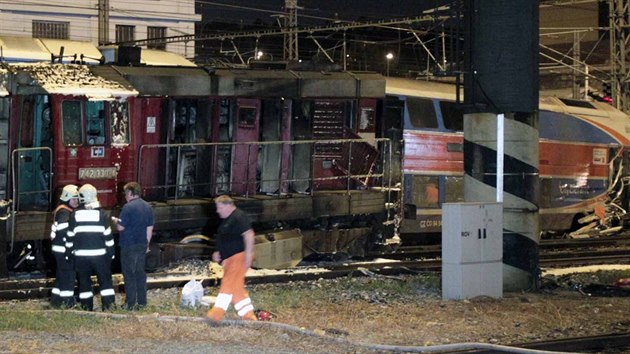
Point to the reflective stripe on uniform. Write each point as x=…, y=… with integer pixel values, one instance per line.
x=66, y=293
x=242, y=312
x=89, y=228
x=109, y=243
x=90, y=253
x=55, y=291
x=58, y=249
x=87, y=215
x=223, y=301
x=107, y=292
x=239, y=305
x=86, y=295
x=244, y=306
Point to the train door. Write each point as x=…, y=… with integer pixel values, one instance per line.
x=32, y=157
x=274, y=158
x=390, y=126
x=188, y=163
x=245, y=156
x=302, y=155
x=151, y=161
x=181, y=157
x=94, y=146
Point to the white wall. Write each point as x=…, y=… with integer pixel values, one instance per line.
x=177, y=16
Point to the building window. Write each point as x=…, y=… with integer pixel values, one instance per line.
x=51, y=29
x=156, y=32
x=125, y=33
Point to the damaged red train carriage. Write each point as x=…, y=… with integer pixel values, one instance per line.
x=297, y=149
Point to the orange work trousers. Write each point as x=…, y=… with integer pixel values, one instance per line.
x=233, y=288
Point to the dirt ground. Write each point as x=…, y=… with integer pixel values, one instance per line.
x=350, y=315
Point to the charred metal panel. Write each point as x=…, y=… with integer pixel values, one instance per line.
x=271, y=156
x=167, y=81
x=185, y=214
x=33, y=226
x=333, y=241
x=301, y=154
x=316, y=84
x=331, y=204
x=370, y=84
x=268, y=208
x=111, y=74
x=366, y=202
x=255, y=83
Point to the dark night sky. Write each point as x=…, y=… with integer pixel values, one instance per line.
x=363, y=45
x=247, y=11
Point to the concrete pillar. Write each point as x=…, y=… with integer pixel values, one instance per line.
x=520, y=187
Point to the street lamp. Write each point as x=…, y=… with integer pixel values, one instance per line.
x=389, y=57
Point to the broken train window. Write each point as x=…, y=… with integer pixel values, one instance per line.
x=119, y=114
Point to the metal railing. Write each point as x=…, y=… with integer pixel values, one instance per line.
x=365, y=170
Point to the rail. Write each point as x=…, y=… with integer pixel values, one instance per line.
x=18, y=189
x=362, y=164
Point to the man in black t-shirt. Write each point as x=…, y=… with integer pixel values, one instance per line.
x=235, y=242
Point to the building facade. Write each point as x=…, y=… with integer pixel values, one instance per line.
x=103, y=21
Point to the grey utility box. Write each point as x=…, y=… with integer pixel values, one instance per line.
x=472, y=250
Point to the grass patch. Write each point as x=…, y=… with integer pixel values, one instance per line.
x=385, y=290
x=48, y=321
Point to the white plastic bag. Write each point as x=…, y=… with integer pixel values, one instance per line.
x=192, y=292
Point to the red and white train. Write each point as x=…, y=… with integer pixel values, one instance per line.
x=584, y=156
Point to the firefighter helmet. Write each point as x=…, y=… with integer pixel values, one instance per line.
x=69, y=192
x=87, y=194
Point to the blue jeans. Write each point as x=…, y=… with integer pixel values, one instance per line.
x=132, y=262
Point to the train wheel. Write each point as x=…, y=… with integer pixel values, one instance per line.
x=196, y=239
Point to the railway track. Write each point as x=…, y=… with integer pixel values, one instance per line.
x=545, y=246
x=40, y=288
x=609, y=343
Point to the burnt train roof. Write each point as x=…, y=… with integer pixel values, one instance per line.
x=297, y=84
x=196, y=81
x=114, y=81
x=161, y=80
x=65, y=79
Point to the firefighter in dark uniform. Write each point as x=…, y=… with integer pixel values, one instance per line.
x=63, y=290
x=91, y=244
